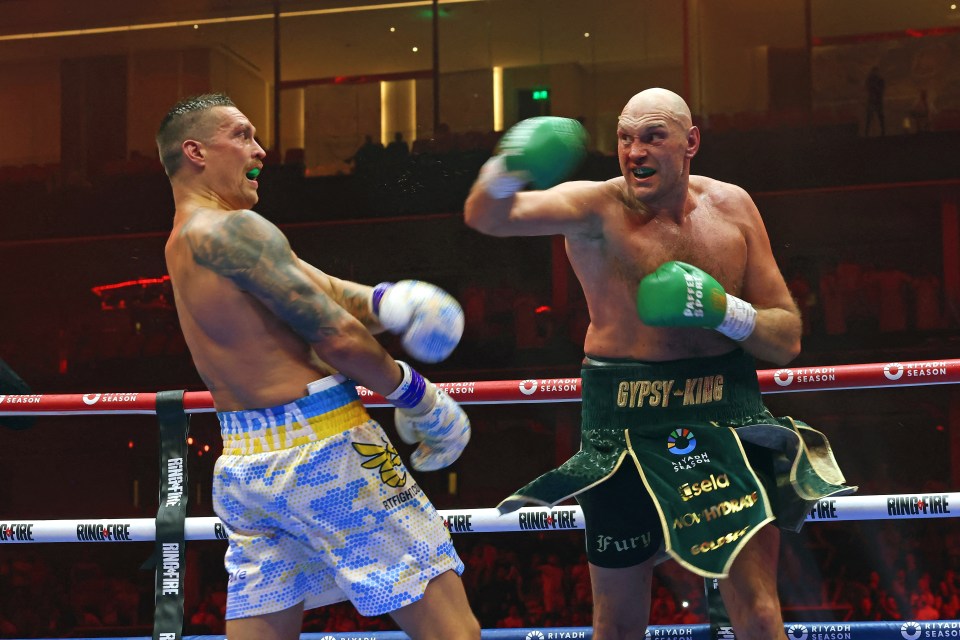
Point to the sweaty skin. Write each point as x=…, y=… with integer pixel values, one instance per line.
x=260, y=323
x=618, y=231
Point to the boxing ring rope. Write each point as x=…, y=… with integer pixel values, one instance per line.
x=795, y=380
x=785, y=380
x=560, y=518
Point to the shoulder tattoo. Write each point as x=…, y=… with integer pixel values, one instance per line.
x=256, y=256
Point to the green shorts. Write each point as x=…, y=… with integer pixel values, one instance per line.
x=684, y=455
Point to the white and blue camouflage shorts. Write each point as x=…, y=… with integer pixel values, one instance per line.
x=319, y=508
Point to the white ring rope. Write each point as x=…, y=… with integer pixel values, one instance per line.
x=849, y=508
x=853, y=508
x=820, y=378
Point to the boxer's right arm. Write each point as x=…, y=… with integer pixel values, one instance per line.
x=541, y=152
x=255, y=255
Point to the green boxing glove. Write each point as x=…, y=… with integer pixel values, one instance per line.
x=542, y=151
x=680, y=295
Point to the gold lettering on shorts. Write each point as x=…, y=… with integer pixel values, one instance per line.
x=703, y=390
x=728, y=507
x=689, y=491
x=634, y=393
x=712, y=545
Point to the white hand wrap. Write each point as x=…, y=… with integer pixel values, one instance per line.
x=429, y=318
x=739, y=319
x=499, y=182
x=427, y=415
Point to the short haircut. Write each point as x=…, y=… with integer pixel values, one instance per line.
x=181, y=123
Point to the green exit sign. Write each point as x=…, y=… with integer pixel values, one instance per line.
x=541, y=94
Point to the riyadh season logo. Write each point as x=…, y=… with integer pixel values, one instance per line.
x=797, y=632
x=91, y=398
x=328, y=638
x=681, y=442
x=910, y=631
x=893, y=371
x=528, y=388
x=783, y=377
x=534, y=635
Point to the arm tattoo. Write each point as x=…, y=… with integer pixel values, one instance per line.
x=256, y=256
x=357, y=303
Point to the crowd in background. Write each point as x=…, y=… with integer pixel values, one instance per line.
x=907, y=570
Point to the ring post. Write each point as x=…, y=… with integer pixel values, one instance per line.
x=170, y=547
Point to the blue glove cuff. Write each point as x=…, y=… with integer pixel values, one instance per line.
x=378, y=293
x=411, y=389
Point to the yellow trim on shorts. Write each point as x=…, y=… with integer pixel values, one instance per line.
x=288, y=436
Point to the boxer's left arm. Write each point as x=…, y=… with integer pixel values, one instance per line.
x=776, y=337
x=429, y=319
x=352, y=296
x=761, y=314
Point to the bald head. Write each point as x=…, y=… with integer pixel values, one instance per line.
x=656, y=102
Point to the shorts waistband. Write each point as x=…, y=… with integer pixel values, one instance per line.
x=618, y=392
x=332, y=407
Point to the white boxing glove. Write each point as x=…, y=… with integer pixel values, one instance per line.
x=429, y=318
x=427, y=415
x=500, y=182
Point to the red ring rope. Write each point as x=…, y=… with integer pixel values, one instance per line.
x=787, y=380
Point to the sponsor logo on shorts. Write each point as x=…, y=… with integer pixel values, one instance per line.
x=624, y=544
x=915, y=505
x=681, y=441
x=689, y=462
x=404, y=496
x=712, y=545
x=240, y=575
x=385, y=458
x=690, y=491
x=717, y=511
